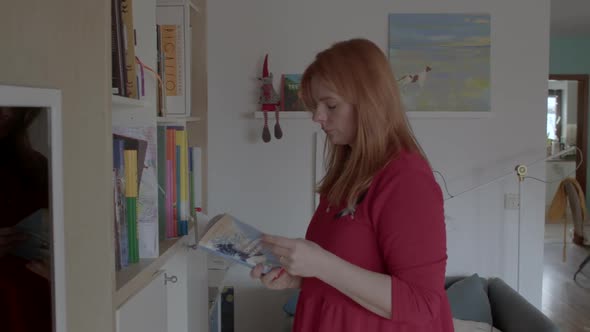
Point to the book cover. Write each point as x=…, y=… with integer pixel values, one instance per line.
x=143, y=139
x=290, y=101
x=120, y=200
x=237, y=241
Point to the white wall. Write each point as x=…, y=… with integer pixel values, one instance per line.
x=270, y=185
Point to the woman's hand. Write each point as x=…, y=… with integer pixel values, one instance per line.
x=9, y=239
x=276, y=278
x=298, y=257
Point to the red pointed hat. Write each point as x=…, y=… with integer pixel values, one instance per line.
x=265, y=67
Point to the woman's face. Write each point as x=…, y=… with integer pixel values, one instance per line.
x=335, y=115
x=9, y=118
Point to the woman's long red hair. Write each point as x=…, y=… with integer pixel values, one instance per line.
x=359, y=72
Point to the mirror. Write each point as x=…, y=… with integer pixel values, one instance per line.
x=25, y=253
x=32, y=278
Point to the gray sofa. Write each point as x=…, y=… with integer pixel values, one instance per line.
x=510, y=312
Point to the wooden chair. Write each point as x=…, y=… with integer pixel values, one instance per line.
x=578, y=221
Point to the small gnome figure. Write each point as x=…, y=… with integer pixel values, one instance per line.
x=269, y=101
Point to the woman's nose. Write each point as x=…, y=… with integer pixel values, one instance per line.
x=319, y=116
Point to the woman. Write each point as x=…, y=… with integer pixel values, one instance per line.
x=25, y=292
x=374, y=257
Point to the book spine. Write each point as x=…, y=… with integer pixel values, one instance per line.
x=177, y=225
x=162, y=183
x=131, y=198
x=184, y=201
x=169, y=203
x=191, y=185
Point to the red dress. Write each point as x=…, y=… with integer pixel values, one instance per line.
x=399, y=230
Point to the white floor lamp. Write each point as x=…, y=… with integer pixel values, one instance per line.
x=521, y=171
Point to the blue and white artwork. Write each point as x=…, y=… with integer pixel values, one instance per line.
x=441, y=61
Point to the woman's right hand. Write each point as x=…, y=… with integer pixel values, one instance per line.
x=9, y=239
x=272, y=280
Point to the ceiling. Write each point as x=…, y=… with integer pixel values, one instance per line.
x=570, y=18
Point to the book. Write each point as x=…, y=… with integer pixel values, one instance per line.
x=143, y=140
x=230, y=238
x=290, y=101
x=119, y=202
x=131, y=203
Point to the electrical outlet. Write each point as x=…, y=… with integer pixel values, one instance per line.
x=511, y=202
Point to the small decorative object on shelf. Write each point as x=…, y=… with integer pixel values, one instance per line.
x=270, y=101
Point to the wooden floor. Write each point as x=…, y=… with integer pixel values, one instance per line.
x=565, y=302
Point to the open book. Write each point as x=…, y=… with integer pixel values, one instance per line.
x=235, y=240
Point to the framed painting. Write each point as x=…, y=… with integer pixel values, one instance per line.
x=442, y=63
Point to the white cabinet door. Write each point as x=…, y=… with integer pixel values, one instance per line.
x=175, y=271
x=146, y=311
x=198, y=291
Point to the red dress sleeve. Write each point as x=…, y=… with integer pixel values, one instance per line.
x=407, y=213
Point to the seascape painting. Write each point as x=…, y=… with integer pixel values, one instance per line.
x=441, y=61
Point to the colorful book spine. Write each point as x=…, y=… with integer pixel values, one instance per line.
x=178, y=181
x=191, y=185
x=131, y=197
x=184, y=183
x=171, y=156
x=162, y=183
x=169, y=202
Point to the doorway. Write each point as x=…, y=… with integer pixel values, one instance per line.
x=567, y=122
x=567, y=128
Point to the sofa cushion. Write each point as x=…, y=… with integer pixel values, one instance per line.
x=469, y=300
x=291, y=305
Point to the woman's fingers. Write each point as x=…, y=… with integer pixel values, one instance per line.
x=256, y=272
x=280, y=251
x=270, y=277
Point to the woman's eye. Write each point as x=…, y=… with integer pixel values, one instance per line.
x=331, y=107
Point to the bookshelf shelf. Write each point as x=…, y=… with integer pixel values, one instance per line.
x=177, y=120
x=128, y=102
x=135, y=277
x=284, y=115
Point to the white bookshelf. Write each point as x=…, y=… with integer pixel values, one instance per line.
x=174, y=257
x=124, y=102
x=174, y=120
x=284, y=115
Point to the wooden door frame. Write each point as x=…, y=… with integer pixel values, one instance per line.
x=582, y=118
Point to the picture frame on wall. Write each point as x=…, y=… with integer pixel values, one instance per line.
x=442, y=63
x=290, y=101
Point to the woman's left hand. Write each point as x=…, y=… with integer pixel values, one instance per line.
x=298, y=257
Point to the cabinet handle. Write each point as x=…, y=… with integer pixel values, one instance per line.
x=192, y=246
x=171, y=279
